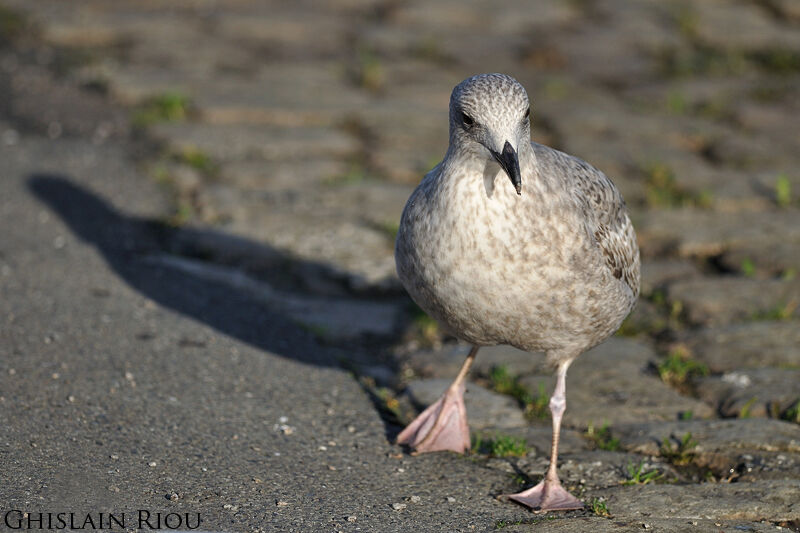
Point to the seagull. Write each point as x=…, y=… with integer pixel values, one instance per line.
x=507, y=241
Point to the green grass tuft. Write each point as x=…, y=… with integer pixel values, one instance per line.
x=662, y=189
x=171, y=106
x=536, y=406
x=499, y=445
x=792, y=414
x=744, y=412
x=637, y=475
x=678, y=367
x=599, y=507
x=783, y=311
x=679, y=453
x=748, y=267
x=602, y=437
x=783, y=191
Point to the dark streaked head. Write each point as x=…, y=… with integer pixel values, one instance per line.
x=490, y=115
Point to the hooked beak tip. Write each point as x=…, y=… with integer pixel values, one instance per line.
x=509, y=161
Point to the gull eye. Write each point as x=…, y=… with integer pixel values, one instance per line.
x=467, y=120
x=527, y=113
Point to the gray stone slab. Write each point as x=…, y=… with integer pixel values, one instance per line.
x=691, y=232
x=657, y=273
x=762, y=500
x=721, y=300
x=769, y=259
x=615, y=383
x=484, y=408
x=239, y=141
x=756, y=392
x=713, y=435
x=748, y=345
x=445, y=362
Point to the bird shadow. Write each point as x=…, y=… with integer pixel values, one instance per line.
x=152, y=258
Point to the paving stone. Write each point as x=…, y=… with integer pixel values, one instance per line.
x=539, y=434
x=231, y=142
x=656, y=273
x=768, y=259
x=584, y=469
x=721, y=300
x=748, y=345
x=445, y=362
x=484, y=408
x=713, y=435
x=732, y=26
x=615, y=383
x=691, y=232
x=759, y=392
x=761, y=500
x=745, y=449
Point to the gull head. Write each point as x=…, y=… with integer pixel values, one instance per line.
x=490, y=117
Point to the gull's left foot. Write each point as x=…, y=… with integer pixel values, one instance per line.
x=547, y=496
x=442, y=426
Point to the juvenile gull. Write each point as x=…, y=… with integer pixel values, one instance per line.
x=507, y=241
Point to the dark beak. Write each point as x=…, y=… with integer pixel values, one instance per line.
x=510, y=163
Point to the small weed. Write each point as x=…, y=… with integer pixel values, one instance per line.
x=783, y=311
x=319, y=331
x=389, y=228
x=197, y=159
x=390, y=402
x=686, y=415
x=776, y=60
x=556, y=89
x=744, y=412
x=602, y=437
x=599, y=507
x=429, y=49
x=535, y=406
x=789, y=274
x=678, y=367
x=502, y=524
x=538, y=406
x=679, y=453
x=499, y=446
x=637, y=476
x=662, y=190
x=676, y=103
x=629, y=328
x=792, y=414
x=748, y=267
x=783, y=191
x=355, y=174
x=170, y=106
x=383, y=398
x=425, y=327
x=12, y=25
x=369, y=72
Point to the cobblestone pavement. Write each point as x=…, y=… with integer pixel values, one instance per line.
x=287, y=137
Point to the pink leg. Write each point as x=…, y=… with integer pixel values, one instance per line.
x=443, y=425
x=549, y=495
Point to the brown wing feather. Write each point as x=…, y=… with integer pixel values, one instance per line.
x=607, y=218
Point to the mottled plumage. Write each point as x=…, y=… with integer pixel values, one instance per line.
x=511, y=242
x=554, y=269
